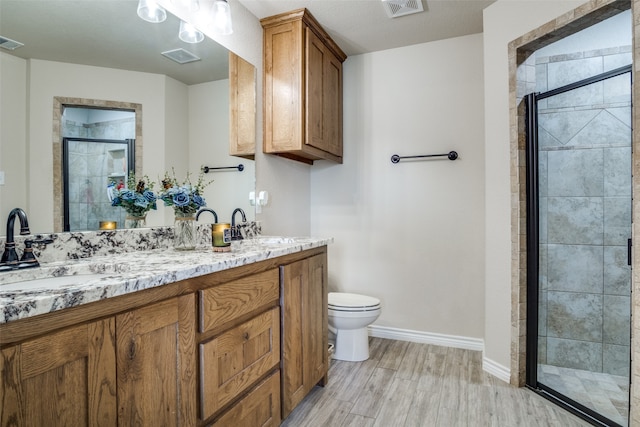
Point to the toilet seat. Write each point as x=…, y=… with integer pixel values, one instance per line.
x=346, y=302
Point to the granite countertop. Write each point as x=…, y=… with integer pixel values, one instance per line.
x=30, y=292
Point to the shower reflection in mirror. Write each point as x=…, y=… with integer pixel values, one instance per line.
x=98, y=148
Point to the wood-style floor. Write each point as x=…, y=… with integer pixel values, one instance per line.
x=410, y=384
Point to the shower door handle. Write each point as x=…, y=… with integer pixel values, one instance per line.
x=628, y=251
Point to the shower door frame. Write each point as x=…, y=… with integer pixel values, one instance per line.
x=533, y=241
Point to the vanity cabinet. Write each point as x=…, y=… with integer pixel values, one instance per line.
x=242, y=107
x=63, y=378
x=240, y=347
x=305, y=329
x=302, y=89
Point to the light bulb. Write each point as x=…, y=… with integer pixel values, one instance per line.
x=151, y=12
x=222, y=17
x=189, y=34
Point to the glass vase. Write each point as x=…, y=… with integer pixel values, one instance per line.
x=184, y=232
x=135, y=221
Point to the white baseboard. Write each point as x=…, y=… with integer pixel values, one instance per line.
x=497, y=370
x=466, y=343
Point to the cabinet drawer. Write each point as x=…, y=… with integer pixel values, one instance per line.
x=225, y=303
x=260, y=407
x=233, y=361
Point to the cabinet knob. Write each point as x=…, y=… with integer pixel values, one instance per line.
x=246, y=336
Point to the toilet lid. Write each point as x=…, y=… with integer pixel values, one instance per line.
x=345, y=300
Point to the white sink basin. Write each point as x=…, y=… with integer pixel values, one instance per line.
x=50, y=282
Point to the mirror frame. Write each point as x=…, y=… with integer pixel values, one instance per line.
x=59, y=104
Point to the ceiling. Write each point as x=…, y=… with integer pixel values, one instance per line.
x=361, y=26
x=108, y=33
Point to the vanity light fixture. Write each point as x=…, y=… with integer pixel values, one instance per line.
x=222, y=18
x=150, y=11
x=189, y=34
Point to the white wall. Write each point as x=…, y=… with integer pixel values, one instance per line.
x=411, y=233
x=13, y=149
x=175, y=125
x=504, y=21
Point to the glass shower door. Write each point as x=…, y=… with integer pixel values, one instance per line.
x=89, y=165
x=579, y=213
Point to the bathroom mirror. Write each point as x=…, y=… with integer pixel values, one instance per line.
x=101, y=51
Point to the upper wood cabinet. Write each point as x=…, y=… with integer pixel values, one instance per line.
x=302, y=89
x=242, y=107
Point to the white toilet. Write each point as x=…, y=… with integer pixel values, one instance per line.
x=349, y=316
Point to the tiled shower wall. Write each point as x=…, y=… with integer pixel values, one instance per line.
x=585, y=218
x=88, y=201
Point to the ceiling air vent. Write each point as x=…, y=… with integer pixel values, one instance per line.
x=181, y=56
x=9, y=44
x=395, y=8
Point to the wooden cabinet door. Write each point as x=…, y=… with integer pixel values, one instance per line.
x=66, y=378
x=242, y=107
x=233, y=361
x=323, y=97
x=316, y=322
x=283, y=84
x=332, y=105
x=156, y=364
x=294, y=277
x=304, y=328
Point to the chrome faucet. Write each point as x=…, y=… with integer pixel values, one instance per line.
x=235, y=233
x=10, y=257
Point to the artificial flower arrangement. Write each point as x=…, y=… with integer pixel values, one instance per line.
x=137, y=197
x=185, y=198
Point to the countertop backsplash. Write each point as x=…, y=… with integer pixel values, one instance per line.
x=85, y=244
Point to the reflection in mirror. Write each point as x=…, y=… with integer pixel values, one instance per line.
x=98, y=150
x=78, y=206
x=101, y=52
